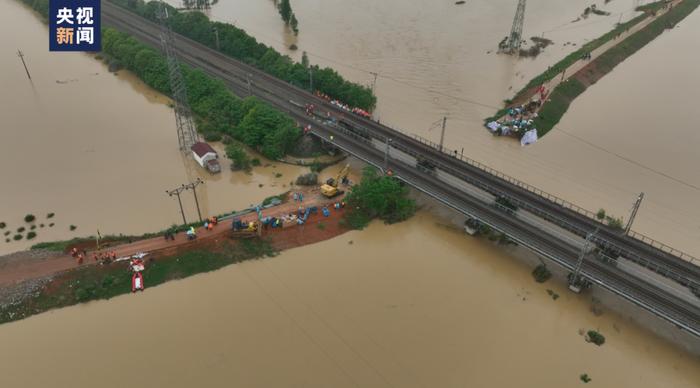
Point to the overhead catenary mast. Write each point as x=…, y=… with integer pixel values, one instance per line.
x=186, y=129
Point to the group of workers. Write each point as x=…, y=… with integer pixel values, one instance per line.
x=343, y=106
x=210, y=223
x=298, y=197
x=99, y=256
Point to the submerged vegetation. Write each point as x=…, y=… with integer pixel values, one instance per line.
x=378, y=196
x=541, y=273
x=237, y=44
x=285, y=9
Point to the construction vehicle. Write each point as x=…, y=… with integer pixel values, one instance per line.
x=244, y=230
x=330, y=188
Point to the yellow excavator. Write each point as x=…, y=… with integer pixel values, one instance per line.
x=330, y=188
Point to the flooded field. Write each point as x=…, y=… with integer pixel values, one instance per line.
x=98, y=150
x=408, y=305
x=437, y=59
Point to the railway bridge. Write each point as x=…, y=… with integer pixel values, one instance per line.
x=641, y=270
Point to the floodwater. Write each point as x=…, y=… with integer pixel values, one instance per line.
x=435, y=58
x=408, y=305
x=411, y=305
x=98, y=150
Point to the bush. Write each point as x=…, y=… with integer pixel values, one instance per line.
x=2, y=225
x=541, y=273
x=239, y=158
x=212, y=136
x=17, y=237
x=7, y=233
x=309, y=179
x=21, y=229
x=29, y=218
x=615, y=223
x=600, y=215
x=31, y=235
x=255, y=162
x=584, y=377
x=51, y=225
x=50, y=215
x=595, y=337
x=7, y=240
x=378, y=196
x=73, y=227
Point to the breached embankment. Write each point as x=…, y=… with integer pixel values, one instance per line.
x=555, y=89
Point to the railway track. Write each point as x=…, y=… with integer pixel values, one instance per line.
x=288, y=98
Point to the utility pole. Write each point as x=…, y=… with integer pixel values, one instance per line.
x=374, y=82
x=216, y=35
x=386, y=155
x=634, y=212
x=311, y=79
x=573, y=282
x=193, y=186
x=442, y=134
x=177, y=192
x=21, y=56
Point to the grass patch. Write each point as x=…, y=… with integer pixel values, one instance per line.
x=557, y=104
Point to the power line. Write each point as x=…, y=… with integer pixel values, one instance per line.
x=629, y=160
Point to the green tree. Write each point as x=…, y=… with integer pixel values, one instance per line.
x=378, y=196
x=294, y=23
x=285, y=9
x=239, y=159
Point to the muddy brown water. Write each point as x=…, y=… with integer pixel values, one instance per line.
x=415, y=304
x=409, y=305
x=437, y=59
x=98, y=150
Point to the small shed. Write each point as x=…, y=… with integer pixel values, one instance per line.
x=205, y=155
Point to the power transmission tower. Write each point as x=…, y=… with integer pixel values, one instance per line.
x=186, y=130
x=516, y=32
x=635, y=209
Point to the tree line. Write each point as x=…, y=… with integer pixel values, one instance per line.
x=237, y=44
x=285, y=9
x=217, y=111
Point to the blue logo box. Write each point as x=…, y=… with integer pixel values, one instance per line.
x=74, y=25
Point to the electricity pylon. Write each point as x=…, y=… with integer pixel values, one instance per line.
x=186, y=129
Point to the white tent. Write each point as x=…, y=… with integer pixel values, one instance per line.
x=529, y=137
